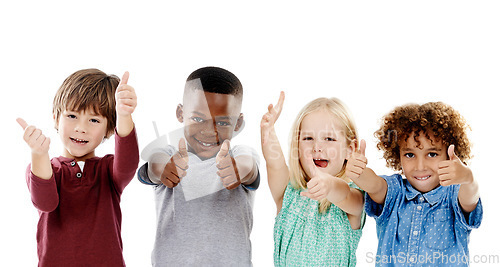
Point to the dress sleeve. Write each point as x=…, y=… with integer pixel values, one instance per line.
x=126, y=159
x=43, y=192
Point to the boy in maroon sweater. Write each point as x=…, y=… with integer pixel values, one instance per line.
x=78, y=194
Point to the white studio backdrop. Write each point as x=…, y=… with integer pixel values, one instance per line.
x=373, y=55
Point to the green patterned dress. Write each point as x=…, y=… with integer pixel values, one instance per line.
x=305, y=237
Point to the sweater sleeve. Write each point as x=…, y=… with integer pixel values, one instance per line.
x=43, y=192
x=126, y=159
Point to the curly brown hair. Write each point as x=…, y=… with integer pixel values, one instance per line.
x=440, y=120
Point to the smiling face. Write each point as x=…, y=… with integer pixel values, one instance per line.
x=322, y=141
x=209, y=119
x=81, y=132
x=420, y=161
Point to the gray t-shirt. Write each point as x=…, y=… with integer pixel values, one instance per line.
x=199, y=222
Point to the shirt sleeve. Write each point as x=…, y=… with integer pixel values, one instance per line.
x=144, y=173
x=126, y=159
x=383, y=211
x=43, y=192
x=240, y=150
x=475, y=217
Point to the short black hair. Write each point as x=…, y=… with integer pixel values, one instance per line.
x=217, y=80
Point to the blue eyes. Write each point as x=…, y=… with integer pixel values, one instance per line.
x=218, y=123
x=330, y=139
x=72, y=116
x=198, y=119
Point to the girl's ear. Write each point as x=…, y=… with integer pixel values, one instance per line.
x=239, y=122
x=352, y=147
x=179, y=113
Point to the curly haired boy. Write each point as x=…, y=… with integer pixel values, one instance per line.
x=427, y=216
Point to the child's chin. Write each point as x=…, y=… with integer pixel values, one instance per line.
x=208, y=153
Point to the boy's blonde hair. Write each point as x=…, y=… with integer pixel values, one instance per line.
x=337, y=108
x=88, y=89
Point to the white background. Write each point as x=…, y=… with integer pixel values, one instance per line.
x=373, y=55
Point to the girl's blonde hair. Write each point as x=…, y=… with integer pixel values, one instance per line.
x=337, y=108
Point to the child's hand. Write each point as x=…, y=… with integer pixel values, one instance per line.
x=356, y=164
x=126, y=99
x=453, y=171
x=176, y=168
x=320, y=184
x=269, y=119
x=227, y=167
x=33, y=136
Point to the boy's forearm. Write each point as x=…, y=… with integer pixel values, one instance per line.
x=43, y=191
x=468, y=196
x=124, y=125
x=156, y=165
x=373, y=185
x=41, y=166
x=247, y=169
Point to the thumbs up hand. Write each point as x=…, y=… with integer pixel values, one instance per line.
x=33, y=136
x=177, y=166
x=453, y=170
x=126, y=99
x=356, y=164
x=320, y=184
x=226, y=166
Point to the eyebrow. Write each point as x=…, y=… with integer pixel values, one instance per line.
x=199, y=114
x=429, y=149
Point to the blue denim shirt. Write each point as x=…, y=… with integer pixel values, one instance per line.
x=421, y=229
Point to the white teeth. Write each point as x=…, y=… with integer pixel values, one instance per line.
x=79, y=140
x=422, y=178
x=207, y=144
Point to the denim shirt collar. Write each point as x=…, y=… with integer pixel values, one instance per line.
x=432, y=197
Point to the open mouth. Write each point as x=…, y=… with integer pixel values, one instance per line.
x=322, y=163
x=78, y=141
x=422, y=178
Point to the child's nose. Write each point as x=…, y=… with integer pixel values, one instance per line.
x=80, y=127
x=209, y=130
x=317, y=147
x=421, y=164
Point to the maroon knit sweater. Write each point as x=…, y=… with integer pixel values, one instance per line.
x=80, y=216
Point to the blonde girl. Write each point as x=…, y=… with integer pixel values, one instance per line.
x=320, y=211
